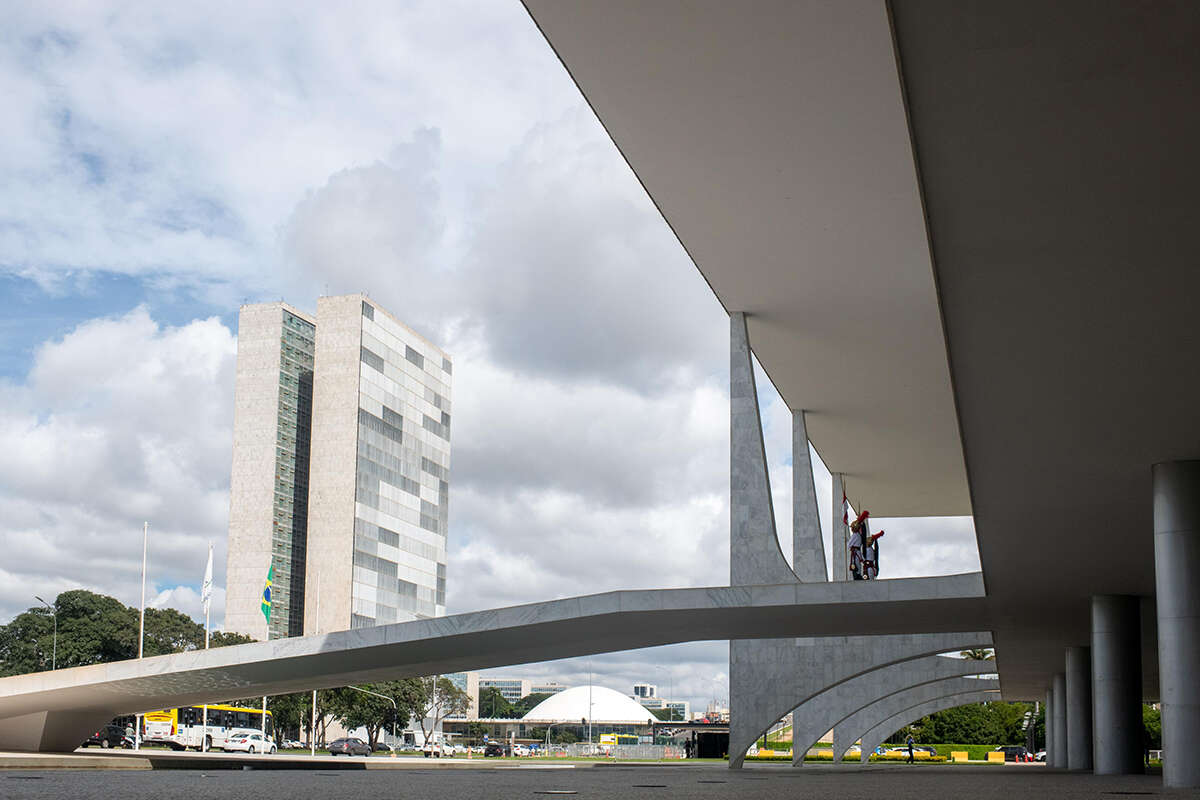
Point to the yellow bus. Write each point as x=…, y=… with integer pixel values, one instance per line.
x=181, y=728
x=618, y=738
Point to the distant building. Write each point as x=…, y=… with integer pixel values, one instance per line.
x=644, y=690
x=340, y=478
x=547, y=688
x=469, y=683
x=511, y=689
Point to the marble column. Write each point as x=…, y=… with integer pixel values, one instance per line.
x=1116, y=684
x=1176, y=562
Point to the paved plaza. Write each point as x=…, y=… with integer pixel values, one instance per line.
x=769, y=782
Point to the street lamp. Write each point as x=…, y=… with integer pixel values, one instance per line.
x=54, y=612
x=395, y=708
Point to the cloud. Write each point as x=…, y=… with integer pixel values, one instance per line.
x=119, y=422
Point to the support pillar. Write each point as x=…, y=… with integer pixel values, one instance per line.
x=1048, y=724
x=754, y=554
x=840, y=562
x=1060, y=722
x=1117, y=684
x=1176, y=561
x=808, y=546
x=1079, y=708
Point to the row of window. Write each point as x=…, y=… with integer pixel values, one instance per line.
x=372, y=532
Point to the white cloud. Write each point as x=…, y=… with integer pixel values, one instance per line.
x=438, y=156
x=119, y=422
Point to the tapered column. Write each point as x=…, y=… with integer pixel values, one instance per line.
x=1079, y=708
x=808, y=547
x=1049, y=725
x=840, y=567
x=1176, y=561
x=1060, y=722
x=1117, y=684
x=754, y=554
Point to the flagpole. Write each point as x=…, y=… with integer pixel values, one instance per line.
x=137, y=743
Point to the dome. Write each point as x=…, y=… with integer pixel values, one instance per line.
x=607, y=707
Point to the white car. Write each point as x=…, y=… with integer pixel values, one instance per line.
x=249, y=743
x=520, y=750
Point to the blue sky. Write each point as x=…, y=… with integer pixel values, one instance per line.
x=165, y=163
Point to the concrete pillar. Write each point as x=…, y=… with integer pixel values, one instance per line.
x=1079, y=708
x=808, y=546
x=840, y=567
x=1176, y=561
x=1060, y=723
x=1117, y=684
x=1049, y=725
x=754, y=554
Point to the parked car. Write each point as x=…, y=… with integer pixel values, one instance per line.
x=293, y=744
x=109, y=736
x=245, y=742
x=350, y=746
x=380, y=747
x=495, y=750
x=1040, y=755
x=520, y=750
x=1014, y=752
x=434, y=750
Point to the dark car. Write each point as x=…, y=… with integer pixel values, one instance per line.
x=109, y=736
x=349, y=747
x=1014, y=752
x=496, y=750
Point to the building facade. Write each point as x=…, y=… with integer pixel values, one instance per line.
x=340, y=480
x=268, y=506
x=379, y=485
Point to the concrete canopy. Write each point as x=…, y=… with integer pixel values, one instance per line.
x=1026, y=277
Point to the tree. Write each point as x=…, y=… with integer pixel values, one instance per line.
x=526, y=704
x=1152, y=723
x=977, y=723
x=355, y=709
x=96, y=629
x=493, y=704
x=438, y=699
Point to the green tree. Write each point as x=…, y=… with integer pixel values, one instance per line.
x=1152, y=722
x=95, y=629
x=979, y=654
x=526, y=704
x=439, y=698
x=493, y=705
x=355, y=709
x=977, y=723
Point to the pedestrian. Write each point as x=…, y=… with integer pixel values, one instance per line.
x=910, y=749
x=858, y=540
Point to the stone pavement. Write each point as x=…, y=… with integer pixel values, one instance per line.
x=602, y=782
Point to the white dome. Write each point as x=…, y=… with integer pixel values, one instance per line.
x=607, y=706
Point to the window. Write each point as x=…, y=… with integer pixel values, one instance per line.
x=368, y=311
x=414, y=357
x=370, y=359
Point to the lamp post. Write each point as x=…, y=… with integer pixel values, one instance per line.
x=137, y=742
x=395, y=707
x=54, y=612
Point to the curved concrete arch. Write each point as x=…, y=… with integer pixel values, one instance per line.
x=769, y=677
x=813, y=718
x=848, y=731
x=875, y=736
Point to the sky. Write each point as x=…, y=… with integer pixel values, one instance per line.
x=165, y=163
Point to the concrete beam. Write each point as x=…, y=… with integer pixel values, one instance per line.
x=572, y=626
x=849, y=730
x=813, y=718
x=876, y=735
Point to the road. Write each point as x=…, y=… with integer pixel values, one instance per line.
x=615, y=782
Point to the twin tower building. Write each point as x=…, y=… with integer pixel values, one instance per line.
x=341, y=462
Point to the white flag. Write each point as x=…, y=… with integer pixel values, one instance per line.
x=206, y=587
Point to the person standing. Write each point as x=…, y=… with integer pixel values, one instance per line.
x=858, y=539
x=910, y=749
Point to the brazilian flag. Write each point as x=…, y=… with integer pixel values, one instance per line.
x=266, y=595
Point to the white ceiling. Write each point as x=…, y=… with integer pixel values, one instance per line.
x=773, y=138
